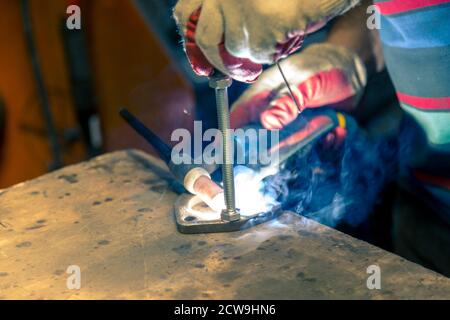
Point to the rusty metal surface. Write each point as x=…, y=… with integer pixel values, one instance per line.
x=113, y=218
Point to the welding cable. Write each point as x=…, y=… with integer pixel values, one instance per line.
x=55, y=147
x=160, y=146
x=194, y=178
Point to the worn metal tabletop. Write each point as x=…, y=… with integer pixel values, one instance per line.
x=112, y=217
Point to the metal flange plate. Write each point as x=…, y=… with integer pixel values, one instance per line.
x=193, y=216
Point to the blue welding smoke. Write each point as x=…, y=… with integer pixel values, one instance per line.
x=337, y=186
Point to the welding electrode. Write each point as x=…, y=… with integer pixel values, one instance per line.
x=220, y=83
x=291, y=93
x=194, y=178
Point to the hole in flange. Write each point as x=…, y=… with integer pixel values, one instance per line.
x=190, y=218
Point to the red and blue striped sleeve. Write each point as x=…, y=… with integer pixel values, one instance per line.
x=416, y=43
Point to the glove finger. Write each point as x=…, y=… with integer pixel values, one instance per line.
x=240, y=69
x=280, y=113
x=182, y=12
x=326, y=88
x=290, y=43
x=331, y=87
x=197, y=59
x=256, y=98
x=293, y=42
x=248, y=110
x=234, y=48
x=210, y=39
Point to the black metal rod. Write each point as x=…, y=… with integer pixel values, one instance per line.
x=42, y=92
x=291, y=93
x=161, y=147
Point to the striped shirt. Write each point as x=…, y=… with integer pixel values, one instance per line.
x=416, y=42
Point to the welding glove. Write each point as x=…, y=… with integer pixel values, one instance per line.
x=237, y=36
x=321, y=75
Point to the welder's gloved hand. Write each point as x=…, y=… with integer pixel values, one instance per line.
x=321, y=75
x=237, y=36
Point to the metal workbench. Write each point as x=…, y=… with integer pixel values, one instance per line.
x=113, y=218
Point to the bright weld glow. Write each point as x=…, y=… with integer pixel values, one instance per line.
x=217, y=203
x=250, y=199
x=249, y=196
